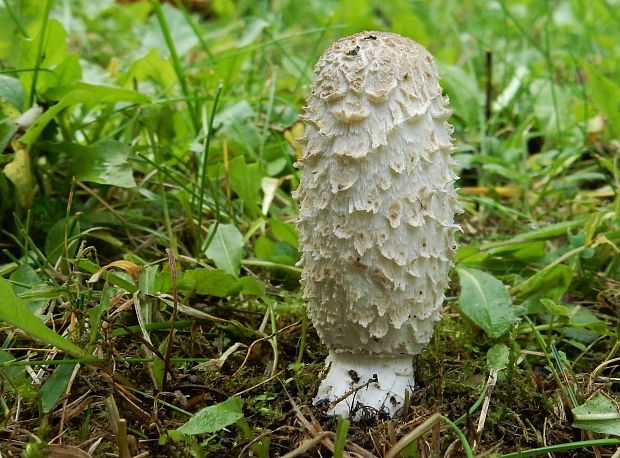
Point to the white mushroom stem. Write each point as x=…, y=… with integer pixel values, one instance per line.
x=355, y=383
x=376, y=216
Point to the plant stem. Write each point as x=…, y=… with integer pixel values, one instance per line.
x=40, y=46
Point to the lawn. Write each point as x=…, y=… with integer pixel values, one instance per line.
x=150, y=302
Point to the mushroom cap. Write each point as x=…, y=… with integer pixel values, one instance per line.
x=376, y=194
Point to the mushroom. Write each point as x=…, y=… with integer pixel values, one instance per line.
x=376, y=217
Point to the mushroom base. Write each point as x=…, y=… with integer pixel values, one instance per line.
x=364, y=384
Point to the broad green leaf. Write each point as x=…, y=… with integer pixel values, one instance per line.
x=285, y=253
x=253, y=286
x=209, y=282
x=550, y=230
x=55, y=386
x=18, y=379
x=252, y=30
x=162, y=283
x=55, y=239
x=550, y=283
x=264, y=248
x=15, y=312
x=214, y=418
x=26, y=275
x=462, y=88
x=226, y=248
x=152, y=68
x=12, y=91
x=183, y=36
x=29, y=14
x=598, y=415
x=104, y=163
x=586, y=327
x=19, y=173
x=405, y=22
x=524, y=251
x=272, y=169
x=57, y=67
x=8, y=128
x=158, y=365
x=605, y=94
x=65, y=76
x=471, y=256
x=147, y=277
x=82, y=93
x=236, y=123
x=245, y=181
x=96, y=312
x=551, y=103
x=285, y=232
x=485, y=301
x=355, y=15
x=498, y=357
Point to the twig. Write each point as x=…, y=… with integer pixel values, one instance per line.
x=314, y=428
x=351, y=391
x=261, y=436
x=262, y=339
x=491, y=381
x=309, y=444
x=259, y=384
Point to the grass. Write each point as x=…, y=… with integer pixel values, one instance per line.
x=150, y=300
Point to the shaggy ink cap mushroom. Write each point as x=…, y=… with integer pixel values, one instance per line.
x=376, y=218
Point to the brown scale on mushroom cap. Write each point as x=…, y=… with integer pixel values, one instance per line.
x=376, y=196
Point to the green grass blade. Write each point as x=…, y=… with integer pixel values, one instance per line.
x=341, y=437
x=205, y=182
x=15, y=312
x=562, y=447
x=39, y=58
x=176, y=62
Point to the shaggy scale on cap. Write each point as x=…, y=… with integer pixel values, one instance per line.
x=376, y=219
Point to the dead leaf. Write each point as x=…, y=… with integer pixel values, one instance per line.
x=129, y=267
x=67, y=451
x=20, y=174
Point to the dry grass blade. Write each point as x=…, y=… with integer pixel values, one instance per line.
x=191, y=311
x=309, y=444
x=262, y=339
x=414, y=435
x=96, y=441
x=492, y=380
x=76, y=407
x=259, y=384
x=217, y=363
x=67, y=451
x=113, y=415
x=314, y=428
x=132, y=402
x=262, y=436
